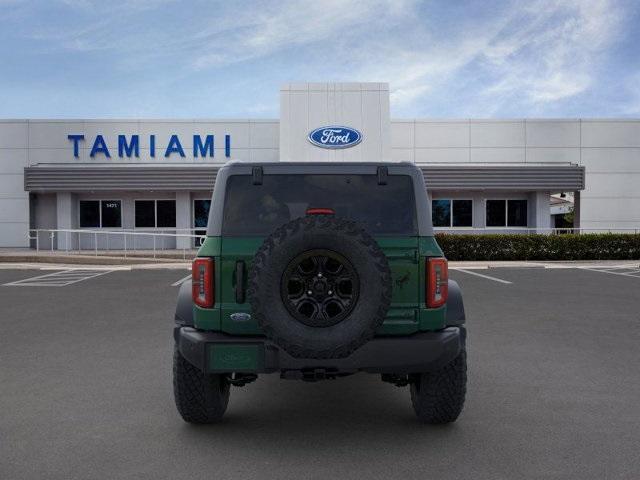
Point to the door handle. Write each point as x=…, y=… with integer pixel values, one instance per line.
x=240, y=282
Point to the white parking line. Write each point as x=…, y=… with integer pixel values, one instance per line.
x=58, y=279
x=181, y=281
x=481, y=275
x=611, y=271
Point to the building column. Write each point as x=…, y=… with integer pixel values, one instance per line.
x=576, y=209
x=183, y=219
x=479, y=211
x=66, y=218
x=539, y=212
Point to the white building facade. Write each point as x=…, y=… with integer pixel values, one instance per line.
x=151, y=175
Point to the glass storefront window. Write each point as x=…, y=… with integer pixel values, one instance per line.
x=166, y=213
x=201, y=213
x=441, y=213
x=89, y=214
x=496, y=213
x=155, y=213
x=507, y=213
x=462, y=213
x=145, y=214
x=200, y=218
x=452, y=213
x=517, y=213
x=100, y=214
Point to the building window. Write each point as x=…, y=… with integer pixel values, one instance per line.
x=145, y=213
x=155, y=213
x=517, y=213
x=507, y=213
x=452, y=213
x=201, y=213
x=89, y=214
x=166, y=213
x=100, y=214
x=200, y=218
x=441, y=213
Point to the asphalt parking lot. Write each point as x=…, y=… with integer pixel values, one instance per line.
x=554, y=389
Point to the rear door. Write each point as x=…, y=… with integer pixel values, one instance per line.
x=252, y=212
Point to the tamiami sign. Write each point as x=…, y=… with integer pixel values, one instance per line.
x=129, y=146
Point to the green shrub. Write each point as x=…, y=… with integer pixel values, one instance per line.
x=588, y=246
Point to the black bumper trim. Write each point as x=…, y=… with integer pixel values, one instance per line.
x=420, y=352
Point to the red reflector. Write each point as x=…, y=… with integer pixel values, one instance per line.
x=437, y=282
x=320, y=211
x=202, y=287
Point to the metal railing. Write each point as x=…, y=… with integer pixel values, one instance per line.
x=530, y=230
x=126, y=241
x=115, y=241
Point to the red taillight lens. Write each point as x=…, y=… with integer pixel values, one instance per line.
x=437, y=282
x=320, y=211
x=202, y=287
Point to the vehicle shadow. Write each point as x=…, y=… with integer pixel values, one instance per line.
x=358, y=411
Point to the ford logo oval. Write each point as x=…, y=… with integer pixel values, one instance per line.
x=335, y=137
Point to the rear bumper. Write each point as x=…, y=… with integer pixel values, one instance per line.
x=215, y=352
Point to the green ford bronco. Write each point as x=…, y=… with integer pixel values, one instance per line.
x=318, y=271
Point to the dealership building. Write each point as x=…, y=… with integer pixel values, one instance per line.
x=144, y=175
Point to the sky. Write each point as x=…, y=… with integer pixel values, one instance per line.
x=228, y=59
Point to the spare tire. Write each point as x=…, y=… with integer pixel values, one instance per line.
x=319, y=287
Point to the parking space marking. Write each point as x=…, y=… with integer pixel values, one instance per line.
x=59, y=279
x=481, y=275
x=630, y=271
x=181, y=281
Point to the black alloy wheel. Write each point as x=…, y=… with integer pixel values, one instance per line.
x=320, y=288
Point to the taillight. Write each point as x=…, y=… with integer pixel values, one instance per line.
x=320, y=211
x=437, y=282
x=202, y=288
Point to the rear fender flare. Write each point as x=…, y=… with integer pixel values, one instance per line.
x=455, y=306
x=184, y=308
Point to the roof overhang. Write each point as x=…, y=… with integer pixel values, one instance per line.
x=548, y=177
x=186, y=177
x=76, y=178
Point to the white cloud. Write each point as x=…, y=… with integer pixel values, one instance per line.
x=287, y=24
x=556, y=53
x=532, y=54
x=544, y=53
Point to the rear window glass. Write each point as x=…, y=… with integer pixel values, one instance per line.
x=259, y=209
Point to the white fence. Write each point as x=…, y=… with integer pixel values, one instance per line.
x=122, y=242
x=525, y=230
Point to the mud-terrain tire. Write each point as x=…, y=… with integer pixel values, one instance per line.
x=438, y=397
x=346, y=240
x=200, y=397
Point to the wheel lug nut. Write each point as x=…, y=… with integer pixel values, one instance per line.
x=330, y=292
x=319, y=275
x=309, y=292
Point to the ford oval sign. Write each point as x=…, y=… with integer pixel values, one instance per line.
x=335, y=137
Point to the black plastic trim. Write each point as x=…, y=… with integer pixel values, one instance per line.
x=184, y=307
x=455, y=305
x=420, y=352
x=240, y=280
x=383, y=172
x=256, y=172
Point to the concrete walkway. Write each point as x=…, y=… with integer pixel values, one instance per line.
x=88, y=257
x=29, y=258
x=481, y=265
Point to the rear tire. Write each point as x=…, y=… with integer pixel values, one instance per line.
x=438, y=397
x=200, y=398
